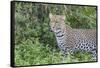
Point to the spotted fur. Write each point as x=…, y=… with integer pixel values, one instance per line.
x=71, y=40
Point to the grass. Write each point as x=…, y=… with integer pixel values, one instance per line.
x=29, y=53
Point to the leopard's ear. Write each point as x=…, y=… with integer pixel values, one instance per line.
x=50, y=15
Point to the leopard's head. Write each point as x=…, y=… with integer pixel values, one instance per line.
x=56, y=21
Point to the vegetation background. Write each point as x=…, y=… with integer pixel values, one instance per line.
x=35, y=44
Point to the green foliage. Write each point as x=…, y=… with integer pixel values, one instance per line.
x=34, y=42
x=28, y=53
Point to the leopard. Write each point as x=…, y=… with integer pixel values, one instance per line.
x=71, y=40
